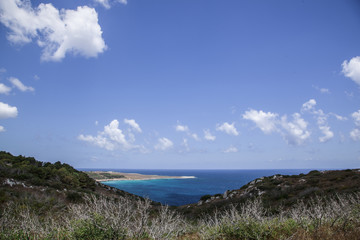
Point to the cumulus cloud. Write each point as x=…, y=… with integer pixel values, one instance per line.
x=228, y=128
x=107, y=3
x=2, y=129
x=231, y=149
x=185, y=129
x=309, y=106
x=19, y=85
x=182, y=128
x=338, y=117
x=295, y=132
x=111, y=138
x=195, y=136
x=265, y=121
x=57, y=32
x=164, y=144
x=351, y=69
x=4, y=89
x=99, y=140
x=328, y=134
x=355, y=134
x=208, y=136
x=356, y=117
x=132, y=123
x=7, y=111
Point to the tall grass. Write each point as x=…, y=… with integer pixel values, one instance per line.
x=332, y=218
x=96, y=218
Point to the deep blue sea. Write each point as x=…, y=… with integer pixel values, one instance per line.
x=176, y=192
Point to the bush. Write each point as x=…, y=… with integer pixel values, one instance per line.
x=74, y=197
x=205, y=197
x=96, y=229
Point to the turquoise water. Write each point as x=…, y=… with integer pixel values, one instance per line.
x=176, y=192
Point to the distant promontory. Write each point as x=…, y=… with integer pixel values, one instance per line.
x=104, y=176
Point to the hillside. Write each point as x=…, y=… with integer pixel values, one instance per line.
x=46, y=186
x=55, y=201
x=281, y=191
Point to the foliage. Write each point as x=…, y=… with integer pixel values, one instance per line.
x=98, y=175
x=58, y=175
x=337, y=217
x=289, y=207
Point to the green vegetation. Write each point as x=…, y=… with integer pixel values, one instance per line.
x=104, y=175
x=101, y=218
x=283, y=191
x=55, y=201
x=55, y=175
x=46, y=187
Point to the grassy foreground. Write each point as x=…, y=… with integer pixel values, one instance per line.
x=101, y=218
x=55, y=201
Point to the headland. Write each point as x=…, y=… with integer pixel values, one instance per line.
x=105, y=176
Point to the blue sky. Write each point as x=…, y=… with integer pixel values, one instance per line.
x=181, y=84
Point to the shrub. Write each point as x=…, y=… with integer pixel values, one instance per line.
x=205, y=197
x=73, y=197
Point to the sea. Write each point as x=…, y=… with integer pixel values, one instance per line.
x=177, y=192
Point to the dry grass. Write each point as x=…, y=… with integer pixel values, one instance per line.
x=335, y=218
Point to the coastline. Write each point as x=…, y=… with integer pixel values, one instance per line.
x=133, y=176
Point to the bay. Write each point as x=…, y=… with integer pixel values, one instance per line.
x=176, y=192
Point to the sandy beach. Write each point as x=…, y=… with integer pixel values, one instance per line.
x=130, y=176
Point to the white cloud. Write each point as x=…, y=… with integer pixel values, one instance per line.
x=351, y=69
x=132, y=123
x=195, y=136
x=356, y=117
x=265, y=121
x=111, y=138
x=322, y=90
x=7, y=111
x=115, y=134
x=186, y=145
x=309, y=106
x=338, y=117
x=164, y=144
x=4, y=89
x=19, y=85
x=208, y=136
x=182, y=128
x=98, y=140
x=231, y=149
x=57, y=32
x=228, y=128
x=328, y=134
x=296, y=131
x=355, y=134
x=107, y=3
x=2, y=129
x=104, y=3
